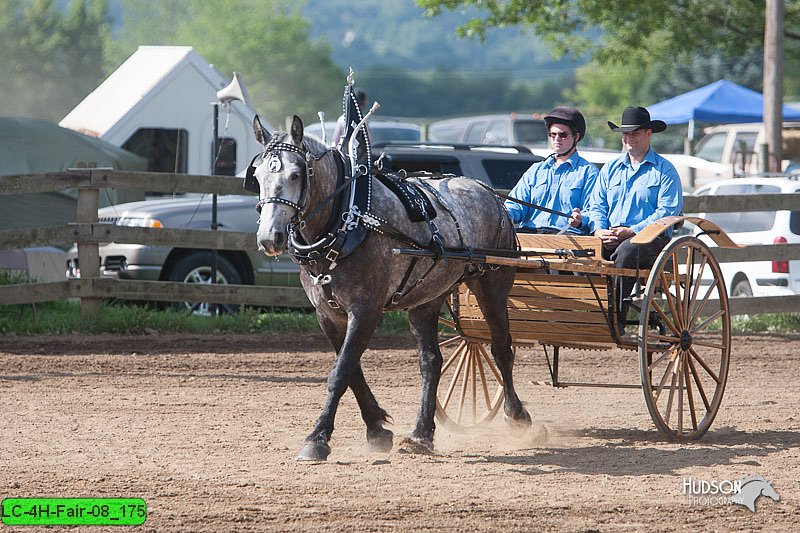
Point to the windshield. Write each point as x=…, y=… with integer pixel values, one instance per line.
x=530, y=131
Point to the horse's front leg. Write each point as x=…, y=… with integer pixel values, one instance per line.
x=360, y=326
x=423, y=322
x=379, y=439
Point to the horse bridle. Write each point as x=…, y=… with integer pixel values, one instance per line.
x=271, y=153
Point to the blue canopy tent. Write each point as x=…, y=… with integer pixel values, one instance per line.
x=722, y=101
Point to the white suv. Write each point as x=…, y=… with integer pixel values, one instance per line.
x=758, y=278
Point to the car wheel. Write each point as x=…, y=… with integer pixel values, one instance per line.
x=741, y=288
x=196, y=268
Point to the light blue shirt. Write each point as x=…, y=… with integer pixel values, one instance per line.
x=627, y=195
x=562, y=187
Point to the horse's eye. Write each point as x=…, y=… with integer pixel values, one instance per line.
x=294, y=176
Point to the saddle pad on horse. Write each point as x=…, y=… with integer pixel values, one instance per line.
x=417, y=204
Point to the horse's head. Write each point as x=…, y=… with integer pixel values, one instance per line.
x=282, y=174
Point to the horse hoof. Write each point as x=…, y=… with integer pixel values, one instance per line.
x=380, y=441
x=314, y=451
x=417, y=446
x=522, y=420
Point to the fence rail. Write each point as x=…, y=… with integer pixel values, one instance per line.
x=88, y=233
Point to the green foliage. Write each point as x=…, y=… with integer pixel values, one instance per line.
x=50, y=59
x=54, y=318
x=265, y=40
x=773, y=323
x=442, y=93
x=631, y=31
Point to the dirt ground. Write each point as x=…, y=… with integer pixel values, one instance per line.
x=206, y=429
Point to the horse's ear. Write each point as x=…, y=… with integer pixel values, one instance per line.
x=297, y=130
x=262, y=135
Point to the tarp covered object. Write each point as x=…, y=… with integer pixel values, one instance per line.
x=30, y=146
x=722, y=101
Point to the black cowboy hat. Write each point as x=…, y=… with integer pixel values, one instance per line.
x=637, y=118
x=568, y=116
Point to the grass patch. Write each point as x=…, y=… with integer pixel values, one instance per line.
x=54, y=318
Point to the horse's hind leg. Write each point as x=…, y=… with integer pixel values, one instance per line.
x=379, y=439
x=423, y=322
x=491, y=291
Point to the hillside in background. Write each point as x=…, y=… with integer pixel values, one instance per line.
x=395, y=35
x=417, y=67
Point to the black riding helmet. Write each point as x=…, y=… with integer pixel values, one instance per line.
x=568, y=116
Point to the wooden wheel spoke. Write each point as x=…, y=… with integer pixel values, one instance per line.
x=707, y=344
x=703, y=302
x=491, y=365
x=696, y=289
x=667, y=371
x=454, y=379
x=456, y=354
x=667, y=321
x=671, y=302
x=689, y=395
x=474, y=361
x=464, y=384
x=699, y=384
x=671, y=396
x=449, y=341
x=687, y=287
x=681, y=367
x=708, y=321
x=676, y=275
x=485, y=386
x=660, y=358
x=666, y=338
x=704, y=365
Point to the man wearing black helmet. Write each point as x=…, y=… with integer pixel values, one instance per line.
x=562, y=182
x=634, y=190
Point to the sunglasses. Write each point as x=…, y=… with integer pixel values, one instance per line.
x=559, y=134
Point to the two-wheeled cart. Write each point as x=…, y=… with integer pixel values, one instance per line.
x=564, y=297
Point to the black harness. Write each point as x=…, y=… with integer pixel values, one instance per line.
x=351, y=217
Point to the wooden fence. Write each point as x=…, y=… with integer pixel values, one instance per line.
x=91, y=288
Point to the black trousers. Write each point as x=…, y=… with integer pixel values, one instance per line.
x=629, y=255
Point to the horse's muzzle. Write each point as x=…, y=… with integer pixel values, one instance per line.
x=273, y=243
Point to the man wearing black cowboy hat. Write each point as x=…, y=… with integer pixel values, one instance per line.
x=562, y=182
x=631, y=192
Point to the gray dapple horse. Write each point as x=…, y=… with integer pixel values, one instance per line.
x=296, y=175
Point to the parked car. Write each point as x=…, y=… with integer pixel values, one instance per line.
x=733, y=148
x=498, y=166
x=508, y=129
x=758, y=278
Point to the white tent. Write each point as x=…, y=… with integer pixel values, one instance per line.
x=163, y=94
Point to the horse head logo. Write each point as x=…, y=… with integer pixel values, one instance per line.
x=752, y=488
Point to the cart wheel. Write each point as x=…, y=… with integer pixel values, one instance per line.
x=470, y=389
x=684, y=339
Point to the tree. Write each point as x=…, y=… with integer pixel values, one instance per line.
x=50, y=59
x=286, y=73
x=628, y=31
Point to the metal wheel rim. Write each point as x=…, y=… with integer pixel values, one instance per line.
x=464, y=400
x=684, y=370
x=202, y=274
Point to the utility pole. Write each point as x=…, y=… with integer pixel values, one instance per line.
x=773, y=82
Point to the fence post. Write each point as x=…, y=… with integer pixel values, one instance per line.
x=88, y=253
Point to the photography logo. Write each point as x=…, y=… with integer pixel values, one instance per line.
x=744, y=491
